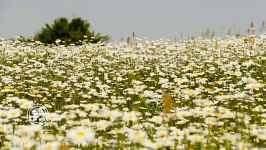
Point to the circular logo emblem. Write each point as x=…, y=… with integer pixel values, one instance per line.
x=37, y=114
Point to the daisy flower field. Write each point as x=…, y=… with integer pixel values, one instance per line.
x=110, y=96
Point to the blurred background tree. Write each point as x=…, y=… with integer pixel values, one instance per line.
x=74, y=32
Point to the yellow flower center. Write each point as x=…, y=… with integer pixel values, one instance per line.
x=130, y=116
x=17, y=92
x=7, y=87
x=207, y=90
x=13, y=113
x=137, y=133
x=162, y=134
x=141, y=96
x=80, y=133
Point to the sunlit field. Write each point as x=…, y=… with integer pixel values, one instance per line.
x=110, y=96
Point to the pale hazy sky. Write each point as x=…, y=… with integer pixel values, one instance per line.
x=148, y=18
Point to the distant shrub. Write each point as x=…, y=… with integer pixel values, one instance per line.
x=74, y=32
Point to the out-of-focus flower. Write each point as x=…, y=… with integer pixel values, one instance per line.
x=102, y=124
x=81, y=135
x=254, y=86
x=190, y=92
x=137, y=136
x=130, y=116
x=91, y=107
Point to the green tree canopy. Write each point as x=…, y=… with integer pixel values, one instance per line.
x=73, y=32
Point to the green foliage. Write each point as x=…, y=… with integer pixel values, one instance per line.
x=74, y=32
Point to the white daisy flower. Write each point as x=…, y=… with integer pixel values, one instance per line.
x=254, y=86
x=130, y=116
x=91, y=107
x=13, y=113
x=102, y=124
x=137, y=136
x=81, y=135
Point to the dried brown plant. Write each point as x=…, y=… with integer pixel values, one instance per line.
x=251, y=25
x=168, y=102
x=262, y=28
x=168, y=105
x=128, y=40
